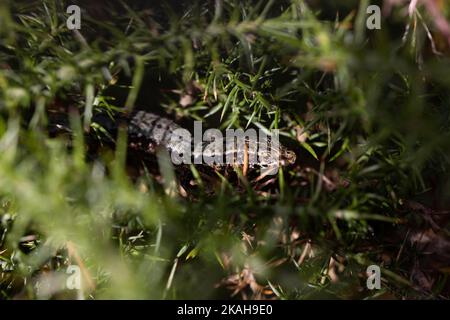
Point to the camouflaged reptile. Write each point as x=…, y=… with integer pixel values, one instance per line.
x=147, y=132
x=151, y=131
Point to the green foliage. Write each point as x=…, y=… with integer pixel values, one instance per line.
x=366, y=112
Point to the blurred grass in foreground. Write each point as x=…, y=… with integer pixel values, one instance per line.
x=366, y=111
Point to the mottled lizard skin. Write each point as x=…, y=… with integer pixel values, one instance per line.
x=151, y=130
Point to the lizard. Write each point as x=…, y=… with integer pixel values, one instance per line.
x=148, y=131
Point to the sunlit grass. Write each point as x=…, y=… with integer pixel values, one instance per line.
x=366, y=113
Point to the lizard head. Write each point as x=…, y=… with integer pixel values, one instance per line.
x=287, y=157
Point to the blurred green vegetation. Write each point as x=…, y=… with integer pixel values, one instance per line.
x=366, y=111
